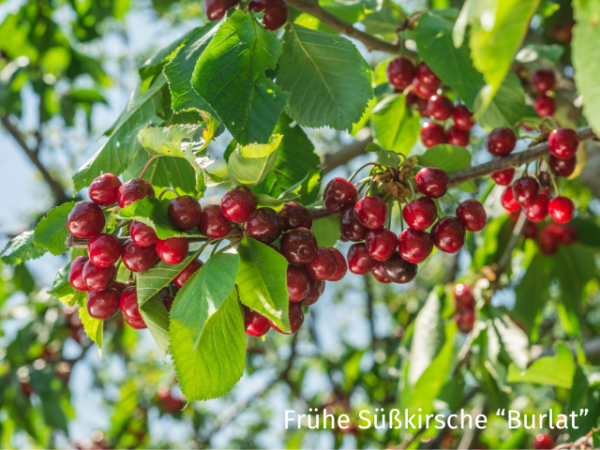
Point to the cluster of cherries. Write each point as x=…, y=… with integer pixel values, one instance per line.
x=275, y=11
x=543, y=82
x=464, y=302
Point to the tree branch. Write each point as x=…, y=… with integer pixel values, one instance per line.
x=342, y=157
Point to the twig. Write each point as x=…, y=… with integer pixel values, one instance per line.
x=75, y=242
x=349, y=152
x=512, y=243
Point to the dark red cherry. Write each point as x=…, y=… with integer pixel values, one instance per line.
x=400, y=73
x=317, y=287
x=426, y=76
x=415, y=246
x=432, y=134
x=341, y=265
x=422, y=105
x=184, y=212
x=530, y=231
x=543, y=80
x=463, y=118
x=465, y=320
x=543, y=442
x=472, y=215
x=398, y=270
x=296, y=316
x=501, y=141
x=276, y=12
x=105, y=189
x=85, y=220
x=238, y=203
x=504, y=177
x=142, y=234
x=104, y=249
x=381, y=243
x=561, y=209
x=134, y=190
x=371, y=212
x=526, y=191
x=458, y=137
x=432, y=182
x=255, y=324
x=548, y=240
x=168, y=296
x=294, y=215
x=264, y=225
x=98, y=278
x=186, y=273
x=420, y=213
x=359, y=260
x=216, y=9
x=339, y=194
x=131, y=309
x=213, y=223
x=423, y=91
x=323, y=266
x=299, y=246
x=539, y=210
x=508, y=200
x=463, y=296
x=136, y=258
x=103, y=305
x=172, y=250
x=448, y=234
x=439, y=107
x=351, y=228
x=567, y=233
x=378, y=273
x=76, y=273
x=298, y=283
x=562, y=167
x=544, y=106
x=563, y=142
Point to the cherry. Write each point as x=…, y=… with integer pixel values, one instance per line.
x=398, y=270
x=562, y=167
x=426, y=76
x=422, y=105
x=276, y=12
x=400, y=73
x=169, y=403
x=294, y=215
x=172, y=250
x=184, y=212
x=103, y=305
x=187, y=272
x=501, y=141
x=439, y=107
x=341, y=265
x=296, y=316
x=323, y=266
x=104, y=249
x=458, y=137
x=544, y=106
x=105, y=189
x=133, y=191
x=238, y=203
x=539, y=210
x=351, y=228
x=420, y=213
x=432, y=182
x=448, y=234
x=567, y=234
x=255, y=324
x=508, y=200
x=530, y=231
x=264, y=225
x=85, y=220
x=168, y=296
x=98, y=278
x=142, y=234
x=548, y=240
x=339, y=194
x=472, y=215
x=463, y=296
x=543, y=80
x=359, y=260
x=76, y=273
x=213, y=223
x=136, y=258
x=381, y=243
x=503, y=177
x=543, y=441
x=563, y=142
x=423, y=91
x=432, y=134
x=463, y=118
x=317, y=287
x=298, y=283
x=415, y=246
x=299, y=246
x=216, y=9
x=371, y=212
x=465, y=320
x=379, y=275
x=561, y=209
x=526, y=191
x=131, y=309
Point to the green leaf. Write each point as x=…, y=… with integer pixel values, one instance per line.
x=51, y=232
x=164, y=172
x=62, y=289
x=535, y=52
x=230, y=76
x=54, y=416
x=313, y=63
x=588, y=231
x=154, y=65
x=21, y=248
x=265, y=200
x=450, y=158
x=383, y=23
x=262, y=281
x=327, y=231
x=249, y=164
x=394, y=126
x=211, y=368
x=92, y=327
x=508, y=105
x=531, y=293
x=555, y=370
x=496, y=236
x=156, y=317
x=512, y=339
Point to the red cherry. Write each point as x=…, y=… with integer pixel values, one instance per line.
x=371, y=212
x=142, y=234
x=561, y=209
x=465, y=320
x=264, y=225
x=98, y=278
x=296, y=316
x=463, y=296
x=168, y=296
x=131, y=309
x=548, y=240
x=134, y=190
x=359, y=260
x=317, y=287
x=543, y=80
x=458, y=137
x=255, y=324
x=104, y=249
x=76, y=273
x=530, y=231
x=472, y=215
x=184, y=212
x=504, y=177
x=432, y=134
x=136, y=258
x=294, y=215
x=567, y=234
x=398, y=270
x=103, y=305
x=381, y=243
x=439, y=107
x=526, y=191
x=423, y=91
x=298, y=283
x=544, y=106
x=322, y=266
x=563, y=142
x=543, y=442
x=463, y=118
x=508, y=200
x=501, y=141
x=172, y=250
x=85, y=220
x=213, y=223
x=238, y=203
x=105, y=189
x=420, y=213
x=299, y=246
x=415, y=246
x=276, y=12
x=448, y=234
x=400, y=73
x=339, y=194
x=351, y=228
x=422, y=105
x=539, y=210
x=216, y=9
x=187, y=272
x=432, y=182
x=379, y=275
x=341, y=265
x=426, y=76
x=562, y=167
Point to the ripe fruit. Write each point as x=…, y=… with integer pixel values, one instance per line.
x=317, y=287
x=130, y=309
x=299, y=246
x=142, y=234
x=371, y=212
x=103, y=305
x=501, y=141
x=322, y=266
x=423, y=91
x=216, y=9
x=539, y=210
x=439, y=107
x=448, y=234
x=359, y=260
x=530, y=231
x=172, y=250
x=463, y=296
x=184, y=212
x=415, y=246
x=508, y=200
x=379, y=275
x=238, y=203
x=341, y=265
x=544, y=106
x=133, y=191
x=339, y=194
x=472, y=215
x=104, y=190
x=400, y=72
x=399, y=270
x=420, y=213
x=264, y=225
x=458, y=137
x=543, y=442
x=381, y=243
x=351, y=228
x=548, y=240
x=213, y=223
x=526, y=191
x=563, y=142
x=432, y=182
x=136, y=258
x=296, y=316
x=422, y=105
x=465, y=320
x=276, y=12
x=104, y=249
x=561, y=209
x=97, y=278
x=504, y=177
x=76, y=273
x=186, y=273
x=543, y=80
x=432, y=134
x=562, y=167
x=567, y=234
x=85, y=220
x=426, y=76
x=294, y=215
x=298, y=283
x=463, y=118
x=255, y=324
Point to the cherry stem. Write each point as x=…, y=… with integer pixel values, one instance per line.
x=168, y=189
x=453, y=198
x=364, y=180
x=361, y=188
x=390, y=206
x=527, y=136
x=146, y=167
x=361, y=168
x=412, y=190
x=216, y=247
x=521, y=122
x=488, y=190
x=552, y=120
x=439, y=208
x=553, y=178
x=121, y=225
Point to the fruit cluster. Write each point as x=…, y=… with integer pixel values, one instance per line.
x=275, y=11
x=464, y=302
x=543, y=82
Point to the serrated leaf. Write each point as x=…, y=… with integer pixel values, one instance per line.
x=507, y=107
x=450, y=158
x=394, y=126
x=154, y=65
x=327, y=231
x=328, y=79
x=513, y=339
x=555, y=370
x=156, y=317
x=92, y=327
x=51, y=232
x=249, y=164
x=21, y=249
x=62, y=289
